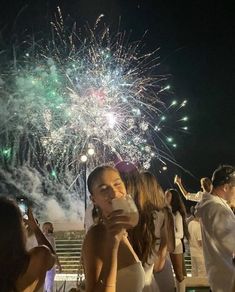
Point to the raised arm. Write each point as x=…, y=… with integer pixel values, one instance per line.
x=41, y=239
x=178, y=182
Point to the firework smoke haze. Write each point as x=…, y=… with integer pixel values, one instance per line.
x=52, y=201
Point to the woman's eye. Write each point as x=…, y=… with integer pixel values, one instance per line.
x=117, y=184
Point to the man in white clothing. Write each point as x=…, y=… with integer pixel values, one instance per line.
x=48, y=230
x=218, y=230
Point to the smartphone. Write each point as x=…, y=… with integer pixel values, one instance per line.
x=23, y=205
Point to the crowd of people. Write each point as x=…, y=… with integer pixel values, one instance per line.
x=120, y=257
x=120, y=253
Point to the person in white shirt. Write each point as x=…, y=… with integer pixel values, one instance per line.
x=195, y=244
x=181, y=230
x=48, y=230
x=218, y=230
x=206, y=187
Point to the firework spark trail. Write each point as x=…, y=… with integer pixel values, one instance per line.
x=75, y=92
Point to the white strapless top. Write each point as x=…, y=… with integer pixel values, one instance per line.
x=131, y=278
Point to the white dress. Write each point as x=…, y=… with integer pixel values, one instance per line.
x=150, y=282
x=131, y=278
x=179, y=233
x=196, y=251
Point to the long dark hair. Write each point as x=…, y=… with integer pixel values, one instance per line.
x=13, y=255
x=177, y=205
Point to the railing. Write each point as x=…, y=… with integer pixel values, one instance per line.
x=69, y=245
x=69, y=253
x=68, y=249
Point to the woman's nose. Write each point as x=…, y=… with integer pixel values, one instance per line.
x=113, y=193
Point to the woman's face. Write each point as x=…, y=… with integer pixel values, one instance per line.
x=106, y=187
x=168, y=195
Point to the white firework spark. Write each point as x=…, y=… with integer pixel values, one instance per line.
x=97, y=92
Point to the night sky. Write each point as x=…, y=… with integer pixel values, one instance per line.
x=196, y=41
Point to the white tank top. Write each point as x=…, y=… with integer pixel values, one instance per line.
x=131, y=278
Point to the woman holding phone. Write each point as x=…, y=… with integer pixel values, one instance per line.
x=21, y=270
x=110, y=262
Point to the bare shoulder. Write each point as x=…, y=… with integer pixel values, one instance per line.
x=41, y=250
x=96, y=232
x=94, y=240
x=41, y=258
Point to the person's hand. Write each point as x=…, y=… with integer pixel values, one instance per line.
x=117, y=223
x=31, y=222
x=177, y=179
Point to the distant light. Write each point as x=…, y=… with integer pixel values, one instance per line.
x=174, y=102
x=184, y=102
x=169, y=139
x=91, y=151
x=185, y=128
x=53, y=173
x=83, y=158
x=164, y=168
x=174, y=145
x=184, y=118
x=156, y=128
x=6, y=152
x=152, y=154
x=163, y=118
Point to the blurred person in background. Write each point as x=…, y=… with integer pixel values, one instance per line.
x=181, y=230
x=48, y=231
x=195, y=245
x=206, y=187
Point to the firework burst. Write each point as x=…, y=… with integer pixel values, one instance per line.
x=77, y=94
